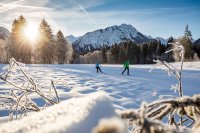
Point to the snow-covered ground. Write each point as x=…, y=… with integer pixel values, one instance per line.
x=77, y=115
x=125, y=92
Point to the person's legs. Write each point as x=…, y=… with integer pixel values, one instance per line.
x=97, y=69
x=124, y=71
x=127, y=71
x=100, y=69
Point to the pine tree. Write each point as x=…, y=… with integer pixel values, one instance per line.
x=188, y=33
x=46, y=43
x=104, y=56
x=169, y=57
x=122, y=53
x=19, y=48
x=158, y=49
x=143, y=53
x=196, y=47
x=186, y=41
x=12, y=45
x=115, y=53
x=132, y=52
x=73, y=59
x=61, y=47
x=171, y=39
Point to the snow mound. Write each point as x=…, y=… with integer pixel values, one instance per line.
x=77, y=115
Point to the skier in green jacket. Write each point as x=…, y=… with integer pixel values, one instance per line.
x=126, y=67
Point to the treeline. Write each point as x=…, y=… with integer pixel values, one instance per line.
x=118, y=53
x=47, y=48
x=143, y=53
x=136, y=54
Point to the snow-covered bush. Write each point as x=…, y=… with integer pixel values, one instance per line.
x=19, y=100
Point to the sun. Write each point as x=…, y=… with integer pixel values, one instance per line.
x=31, y=32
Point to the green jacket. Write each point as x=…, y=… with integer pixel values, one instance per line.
x=126, y=64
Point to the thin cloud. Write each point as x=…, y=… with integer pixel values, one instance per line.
x=4, y=7
x=87, y=14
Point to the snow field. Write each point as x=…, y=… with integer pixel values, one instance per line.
x=84, y=94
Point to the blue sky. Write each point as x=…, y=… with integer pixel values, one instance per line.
x=163, y=18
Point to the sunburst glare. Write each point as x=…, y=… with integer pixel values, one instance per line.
x=31, y=32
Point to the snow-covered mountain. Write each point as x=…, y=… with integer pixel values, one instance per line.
x=109, y=36
x=162, y=40
x=197, y=42
x=193, y=40
x=71, y=39
x=4, y=33
x=150, y=37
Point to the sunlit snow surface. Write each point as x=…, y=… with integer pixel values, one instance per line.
x=77, y=115
x=125, y=92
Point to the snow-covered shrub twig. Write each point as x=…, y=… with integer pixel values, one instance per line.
x=19, y=100
x=148, y=118
x=184, y=106
x=177, y=47
x=141, y=124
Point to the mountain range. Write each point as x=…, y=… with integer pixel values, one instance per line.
x=103, y=37
x=109, y=36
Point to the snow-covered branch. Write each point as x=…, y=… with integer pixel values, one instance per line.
x=142, y=124
x=148, y=118
x=177, y=47
x=19, y=100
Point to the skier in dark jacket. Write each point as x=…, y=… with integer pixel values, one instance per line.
x=126, y=67
x=98, y=67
